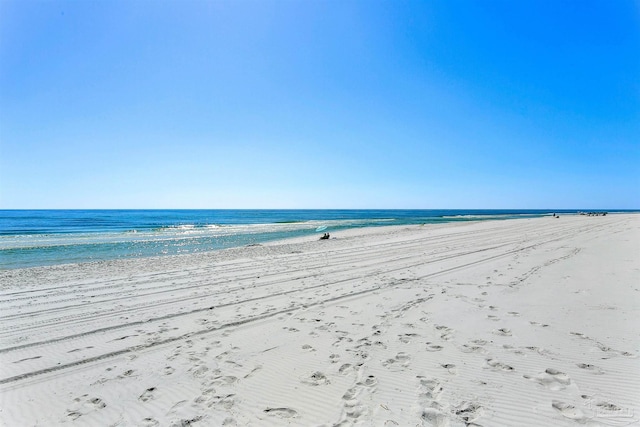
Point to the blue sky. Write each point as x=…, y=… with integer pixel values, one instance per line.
x=320, y=104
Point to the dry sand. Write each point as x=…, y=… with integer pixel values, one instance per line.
x=528, y=322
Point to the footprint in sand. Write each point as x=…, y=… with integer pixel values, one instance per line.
x=434, y=417
x=540, y=351
x=447, y=336
x=591, y=368
x=147, y=395
x=281, y=412
x=407, y=338
x=430, y=388
x=551, y=379
x=206, y=396
x=185, y=421
x=498, y=366
x=609, y=413
x=363, y=342
x=433, y=347
x=346, y=368
x=402, y=357
x=446, y=332
x=451, y=368
x=96, y=403
x=342, y=340
x=613, y=352
x=569, y=411
x=350, y=394
x=468, y=412
x=505, y=332
x=223, y=381
x=126, y=374
x=542, y=325
x=361, y=354
x=369, y=381
x=224, y=401
x=401, y=360
x=199, y=371
x=316, y=379
x=513, y=349
x=429, y=394
x=580, y=334
x=608, y=406
x=149, y=422
x=389, y=363
x=466, y=348
x=353, y=410
x=85, y=406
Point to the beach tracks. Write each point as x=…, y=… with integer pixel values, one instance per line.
x=351, y=331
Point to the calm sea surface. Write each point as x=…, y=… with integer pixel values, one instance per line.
x=30, y=238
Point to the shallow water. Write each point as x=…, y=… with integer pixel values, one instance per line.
x=31, y=238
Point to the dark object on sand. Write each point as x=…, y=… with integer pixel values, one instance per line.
x=325, y=237
x=593, y=213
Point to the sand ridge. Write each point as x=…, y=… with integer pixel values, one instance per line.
x=515, y=322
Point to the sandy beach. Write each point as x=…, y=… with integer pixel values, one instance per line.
x=527, y=322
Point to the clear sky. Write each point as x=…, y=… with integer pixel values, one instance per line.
x=320, y=104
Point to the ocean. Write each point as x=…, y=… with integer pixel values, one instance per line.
x=31, y=238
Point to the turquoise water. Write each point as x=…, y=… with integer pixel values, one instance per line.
x=30, y=238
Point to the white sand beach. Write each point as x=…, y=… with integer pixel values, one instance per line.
x=527, y=322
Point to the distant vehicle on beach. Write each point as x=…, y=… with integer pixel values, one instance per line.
x=593, y=213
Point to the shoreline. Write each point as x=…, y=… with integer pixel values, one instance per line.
x=140, y=234
x=508, y=322
x=347, y=232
